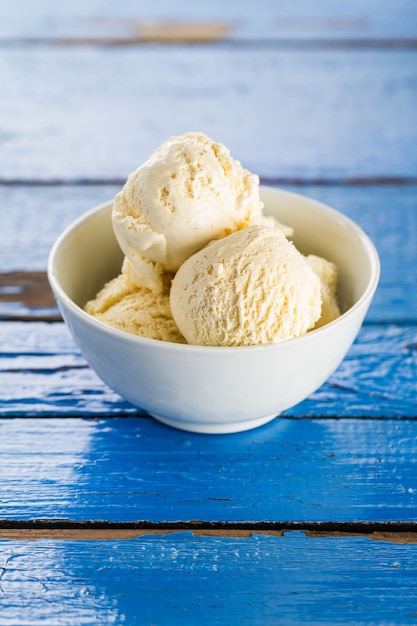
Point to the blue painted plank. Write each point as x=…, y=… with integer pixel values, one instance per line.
x=131, y=470
x=267, y=19
x=25, y=246
x=42, y=373
x=387, y=213
x=181, y=579
x=304, y=113
x=377, y=378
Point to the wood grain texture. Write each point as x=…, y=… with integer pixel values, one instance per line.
x=94, y=532
x=134, y=471
x=281, y=112
x=98, y=19
x=43, y=373
x=27, y=296
x=388, y=213
x=46, y=211
x=18, y=531
x=184, y=579
x=300, y=94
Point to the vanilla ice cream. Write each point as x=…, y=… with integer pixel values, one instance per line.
x=136, y=310
x=189, y=192
x=203, y=264
x=251, y=287
x=327, y=273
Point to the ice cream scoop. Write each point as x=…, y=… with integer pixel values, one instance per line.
x=137, y=310
x=189, y=192
x=251, y=287
x=327, y=273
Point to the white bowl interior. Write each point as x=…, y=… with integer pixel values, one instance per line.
x=87, y=256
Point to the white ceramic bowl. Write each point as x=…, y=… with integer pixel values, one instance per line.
x=215, y=389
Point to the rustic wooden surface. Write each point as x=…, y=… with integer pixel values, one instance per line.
x=386, y=212
x=376, y=379
x=148, y=93
x=107, y=516
x=257, y=580
x=291, y=473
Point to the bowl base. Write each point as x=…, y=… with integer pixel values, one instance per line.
x=213, y=428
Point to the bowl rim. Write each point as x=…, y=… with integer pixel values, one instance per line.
x=61, y=295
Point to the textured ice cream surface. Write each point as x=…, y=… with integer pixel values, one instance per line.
x=251, y=287
x=189, y=192
x=136, y=310
x=327, y=273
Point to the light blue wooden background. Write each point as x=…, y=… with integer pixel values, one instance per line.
x=318, y=97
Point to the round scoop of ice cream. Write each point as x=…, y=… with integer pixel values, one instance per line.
x=327, y=273
x=252, y=287
x=187, y=193
x=137, y=310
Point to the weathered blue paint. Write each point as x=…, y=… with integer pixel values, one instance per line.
x=291, y=107
x=387, y=213
x=134, y=469
x=283, y=112
x=272, y=21
x=25, y=206
x=42, y=373
x=182, y=579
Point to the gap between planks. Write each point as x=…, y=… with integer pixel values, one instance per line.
x=216, y=34
x=103, y=534
x=356, y=181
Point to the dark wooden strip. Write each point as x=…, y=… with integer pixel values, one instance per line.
x=27, y=296
x=292, y=579
x=281, y=181
x=91, y=532
x=197, y=34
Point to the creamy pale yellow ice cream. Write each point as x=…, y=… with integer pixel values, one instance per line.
x=191, y=214
x=327, y=273
x=136, y=310
x=252, y=287
x=189, y=192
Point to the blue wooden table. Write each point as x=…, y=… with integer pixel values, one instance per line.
x=108, y=517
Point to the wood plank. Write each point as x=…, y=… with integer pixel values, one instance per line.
x=349, y=473
x=41, y=380
x=32, y=217
x=267, y=20
x=159, y=580
x=388, y=213
x=43, y=373
x=94, y=532
x=27, y=296
x=303, y=113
